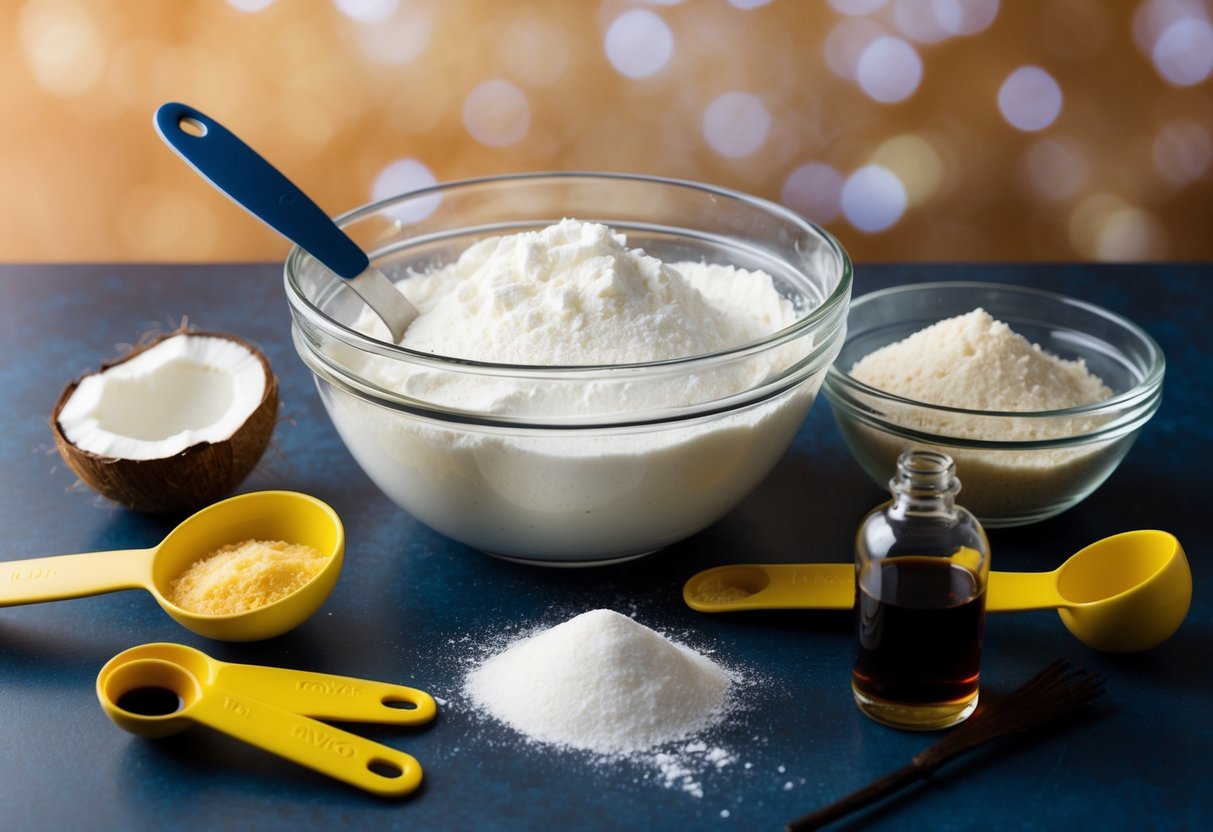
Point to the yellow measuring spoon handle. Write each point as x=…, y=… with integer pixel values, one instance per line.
x=1022, y=592
x=74, y=576
x=325, y=696
x=338, y=754
x=758, y=586
x=831, y=586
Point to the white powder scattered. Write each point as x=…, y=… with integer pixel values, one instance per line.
x=977, y=363
x=603, y=683
x=607, y=691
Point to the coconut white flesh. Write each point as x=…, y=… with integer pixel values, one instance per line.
x=185, y=390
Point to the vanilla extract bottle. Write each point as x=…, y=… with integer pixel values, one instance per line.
x=921, y=568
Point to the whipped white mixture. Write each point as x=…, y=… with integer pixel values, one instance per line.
x=574, y=295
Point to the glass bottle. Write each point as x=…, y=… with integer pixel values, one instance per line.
x=921, y=568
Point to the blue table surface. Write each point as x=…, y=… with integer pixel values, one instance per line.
x=414, y=607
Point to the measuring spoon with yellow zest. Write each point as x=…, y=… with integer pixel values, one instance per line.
x=160, y=689
x=264, y=515
x=1125, y=593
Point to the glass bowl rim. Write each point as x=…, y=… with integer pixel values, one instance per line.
x=838, y=298
x=1152, y=379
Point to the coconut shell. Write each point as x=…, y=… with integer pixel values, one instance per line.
x=197, y=476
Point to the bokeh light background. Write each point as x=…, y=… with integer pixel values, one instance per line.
x=935, y=130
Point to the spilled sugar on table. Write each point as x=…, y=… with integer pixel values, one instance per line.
x=414, y=608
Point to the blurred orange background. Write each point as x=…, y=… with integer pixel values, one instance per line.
x=935, y=130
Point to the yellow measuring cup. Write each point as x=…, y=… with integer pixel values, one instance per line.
x=1124, y=593
x=263, y=515
x=155, y=690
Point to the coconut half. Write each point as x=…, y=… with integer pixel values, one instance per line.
x=173, y=425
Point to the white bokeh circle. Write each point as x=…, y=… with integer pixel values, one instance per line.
x=497, y=113
x=1183, y=54
x=639, y=43
x=401, y=177
x=1029, y=99
x=873, y=199
x=965, y=17
x=367, y=11
x=814, y=190
x=736, y=124
x=889, y=70
x=250, y=6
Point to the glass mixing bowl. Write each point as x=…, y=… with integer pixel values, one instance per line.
x=1005, y=482
x=660, y=451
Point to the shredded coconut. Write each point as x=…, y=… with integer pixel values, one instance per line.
x=975, y=362
x=244, y=576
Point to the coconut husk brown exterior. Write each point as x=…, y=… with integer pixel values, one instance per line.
x=197, y=476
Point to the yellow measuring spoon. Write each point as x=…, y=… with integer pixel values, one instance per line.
x=1124, y=593
x=263, y=515
x=155, y=690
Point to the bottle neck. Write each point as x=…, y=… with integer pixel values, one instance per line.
x=925, y=483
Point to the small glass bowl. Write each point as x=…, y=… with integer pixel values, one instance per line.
x=661, y=454
x=1004, y=482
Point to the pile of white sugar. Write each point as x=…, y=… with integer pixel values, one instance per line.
x=574, y=294
x=603, y=683
x=975, y=362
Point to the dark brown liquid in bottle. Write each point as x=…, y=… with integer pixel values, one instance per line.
x=919, y=631
x=149, y=701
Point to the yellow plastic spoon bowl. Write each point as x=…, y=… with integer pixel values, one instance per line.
x=1122, y=594
x=264, y=515
x=156, y=690
x=1125, y=593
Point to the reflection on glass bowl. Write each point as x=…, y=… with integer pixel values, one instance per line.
x=1005, y=481
x=547, y=480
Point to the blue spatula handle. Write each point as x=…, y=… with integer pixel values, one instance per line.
x=253, y=183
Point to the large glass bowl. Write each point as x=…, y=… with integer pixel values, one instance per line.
x=1004, y=482
x=663, y=450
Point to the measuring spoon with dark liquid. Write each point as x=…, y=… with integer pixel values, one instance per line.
x=156, y=690
x=150, y=701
